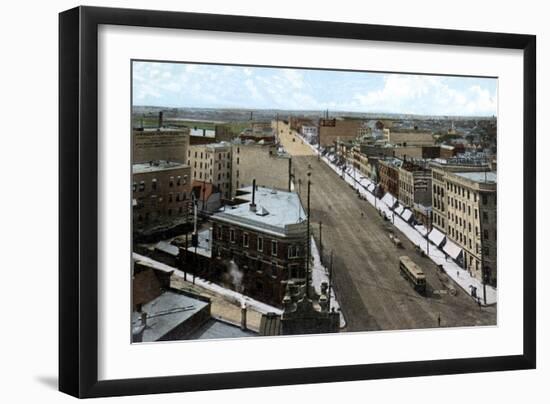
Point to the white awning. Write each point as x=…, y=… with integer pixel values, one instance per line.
x=399, y=209
x=436, y=237
x=389, y=200
x=421, y=229
x=406, y=215
x=452, y=249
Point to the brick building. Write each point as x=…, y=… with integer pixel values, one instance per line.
x=331, y=130
x=160, y=144
x=160, y=193
x=388, y=175
x=263, y=241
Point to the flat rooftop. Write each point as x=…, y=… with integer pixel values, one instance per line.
x=215, y=329
x=154, y=166
x=479, y=176
x=275, y=210
x=165, y=313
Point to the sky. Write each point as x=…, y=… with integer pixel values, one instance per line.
x=247, y=87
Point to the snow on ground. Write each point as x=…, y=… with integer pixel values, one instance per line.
x=229, y=294
x=415, y=234
x=319, y=274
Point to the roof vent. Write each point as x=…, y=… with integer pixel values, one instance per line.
x=262, y=211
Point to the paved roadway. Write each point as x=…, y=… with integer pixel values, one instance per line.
x=371, y=292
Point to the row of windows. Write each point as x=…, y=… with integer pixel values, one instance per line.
x=293, y=250
x=178, y=181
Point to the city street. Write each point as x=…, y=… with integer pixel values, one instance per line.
x=372, y=294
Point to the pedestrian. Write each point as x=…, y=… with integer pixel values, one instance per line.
x=438, y=320
x=457, y=274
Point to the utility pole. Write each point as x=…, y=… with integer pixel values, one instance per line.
x=289, y=173
x=308, y=244
x=330, y=281
x=186, y=257
x=321, y=240
x=195, y=238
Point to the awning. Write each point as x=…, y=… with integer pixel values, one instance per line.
x=389, y=200
x=399, y=209
x=436, y=237
x=370, y=188
x=421, y=229
x=406, y=215
x=452, y=249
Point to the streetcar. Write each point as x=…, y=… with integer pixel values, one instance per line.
x=412, y=273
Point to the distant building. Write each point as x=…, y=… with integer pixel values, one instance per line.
x=310, y=133
x=262, y=242
x=388, y=175
x=160, y=193
x=201, y=136
x=332, y=130
x=160, y=144
x=262, y=161
x=415, y=184
x=258, y=131
x=411, y=137
x=211, y=163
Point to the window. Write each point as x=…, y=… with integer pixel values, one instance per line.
x=292, y=251
x=170, y=197
x=486, y=234
x=237, y=160
x=154, y=184
x=274, y=269
x=485, y=217
x=134, y=187
x=274, y=248
x=142, y=185
x=245, y=239
x=171, y=181
x=484, y=199
x=232, y=235
x=260, y=244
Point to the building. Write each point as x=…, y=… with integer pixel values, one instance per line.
x=259, y=131
x=409, y=137
x=211, y=163
x=160, y=144
x=331, y=130
x=160, y=193
x=261, y=242
x=417, y=152
x=388, y=175
x=310, y=133
x=415, y=184
x=265, y=162
x=201, y=136
x=439, y=168
x=472, y=221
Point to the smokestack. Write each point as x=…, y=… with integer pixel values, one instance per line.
x=253, y=204
x=160, y=119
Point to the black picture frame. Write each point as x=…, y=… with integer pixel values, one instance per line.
x=78, y=200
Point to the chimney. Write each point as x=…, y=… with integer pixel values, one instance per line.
x=243, y=316
x=160, y=119
x=253, y=204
